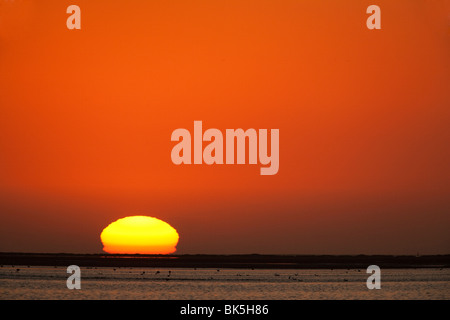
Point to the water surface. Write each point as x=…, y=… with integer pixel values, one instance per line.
x=35, y=282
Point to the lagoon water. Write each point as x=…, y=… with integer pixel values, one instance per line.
x=35, y=282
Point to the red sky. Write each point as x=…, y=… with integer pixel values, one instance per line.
x=86, y=118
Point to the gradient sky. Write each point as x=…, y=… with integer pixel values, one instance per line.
x=364, y=116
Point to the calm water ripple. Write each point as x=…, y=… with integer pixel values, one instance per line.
x=23, y=282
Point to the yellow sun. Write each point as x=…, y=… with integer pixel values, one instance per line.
x=139, y=234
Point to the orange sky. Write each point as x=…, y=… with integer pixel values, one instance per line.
x=86, y=118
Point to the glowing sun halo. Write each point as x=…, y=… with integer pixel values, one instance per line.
x=139, y=234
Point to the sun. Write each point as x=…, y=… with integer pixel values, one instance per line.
x=139, y=234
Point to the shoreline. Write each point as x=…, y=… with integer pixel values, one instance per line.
x=236, y=261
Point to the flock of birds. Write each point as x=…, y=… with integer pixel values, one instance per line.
x=291, y=277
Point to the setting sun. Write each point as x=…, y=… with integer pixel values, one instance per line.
x=139, y=234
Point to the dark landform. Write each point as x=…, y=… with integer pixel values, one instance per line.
x=243, y=261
